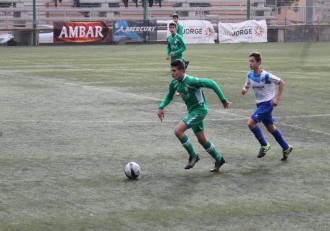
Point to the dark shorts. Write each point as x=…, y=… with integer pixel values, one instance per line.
x=263, y=113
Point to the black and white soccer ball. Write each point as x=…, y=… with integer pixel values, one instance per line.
x=132, y=170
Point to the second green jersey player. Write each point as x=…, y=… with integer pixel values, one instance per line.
x=175, y=45
x=190, y=89
x=179, y=27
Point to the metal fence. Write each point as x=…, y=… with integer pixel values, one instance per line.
x=293, y=15
x=20, y=19
x=275, y=15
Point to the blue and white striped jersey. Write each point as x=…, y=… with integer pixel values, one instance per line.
x=262, y=84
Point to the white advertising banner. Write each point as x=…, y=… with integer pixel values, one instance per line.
x=250, y=31
x=196, y=31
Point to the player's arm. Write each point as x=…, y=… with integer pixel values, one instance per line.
x=246, y=86
x=244, y=90
x=168, y=98
x=276, y=99
x=180, y=30
x=168, y=51
x=160, y=114
x=276, y=80
x=209, y=83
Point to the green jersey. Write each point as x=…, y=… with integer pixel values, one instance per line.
x=177, y=45
x=190, y=89
x=179, y=29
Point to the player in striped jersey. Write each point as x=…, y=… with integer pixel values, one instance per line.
x=264, y=84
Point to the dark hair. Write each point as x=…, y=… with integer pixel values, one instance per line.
x=256, y=55
x=178, y=63
x=172, y=24
x=175, y=16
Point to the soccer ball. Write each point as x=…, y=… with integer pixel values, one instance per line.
x=132, y=170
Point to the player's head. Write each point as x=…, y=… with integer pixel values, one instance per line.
x=175, y=18
x=172, y=27
x=256, y=55
x=254, y=60
x=178, y=69
x=179, y=64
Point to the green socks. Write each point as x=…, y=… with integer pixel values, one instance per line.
x=188, y=146
x=209, y=147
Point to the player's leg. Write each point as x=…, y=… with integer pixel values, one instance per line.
x=207, y=144
x=255, y=129
x=209, y=148
x=287, y=149
x=252, y=123
x=278, y=136
x=198, y=129
x=179, y=131
x=192, y=120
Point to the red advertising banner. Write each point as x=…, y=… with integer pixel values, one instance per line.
x=81, y=32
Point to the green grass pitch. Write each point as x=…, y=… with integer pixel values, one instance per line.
x=73, y=116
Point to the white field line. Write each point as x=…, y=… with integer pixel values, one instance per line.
x=164, y=121
x=56, y=81
x=306, y=129
x=136, y=96
x=139, y=96
x=302, y=116
x=110, y=121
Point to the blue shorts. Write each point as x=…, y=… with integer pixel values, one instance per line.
x=263, y=113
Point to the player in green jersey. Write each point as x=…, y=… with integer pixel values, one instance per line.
x=175, y=45
x=190, y=89
x=179, y=27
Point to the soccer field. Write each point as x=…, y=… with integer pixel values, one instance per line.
x=73, y=116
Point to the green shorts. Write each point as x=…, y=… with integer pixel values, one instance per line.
x=195, y=120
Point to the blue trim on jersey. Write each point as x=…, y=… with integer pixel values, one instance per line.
x=255, y=78
x=267, y=78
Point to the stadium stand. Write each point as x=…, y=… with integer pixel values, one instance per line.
x=19, y=13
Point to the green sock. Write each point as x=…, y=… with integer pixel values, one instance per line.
x=188, y=146
x=209, y=147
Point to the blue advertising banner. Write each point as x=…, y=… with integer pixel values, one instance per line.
x=138, y=31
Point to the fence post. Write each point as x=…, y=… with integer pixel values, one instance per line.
x=248, y=10
x=34, y=24
x=145, y=33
